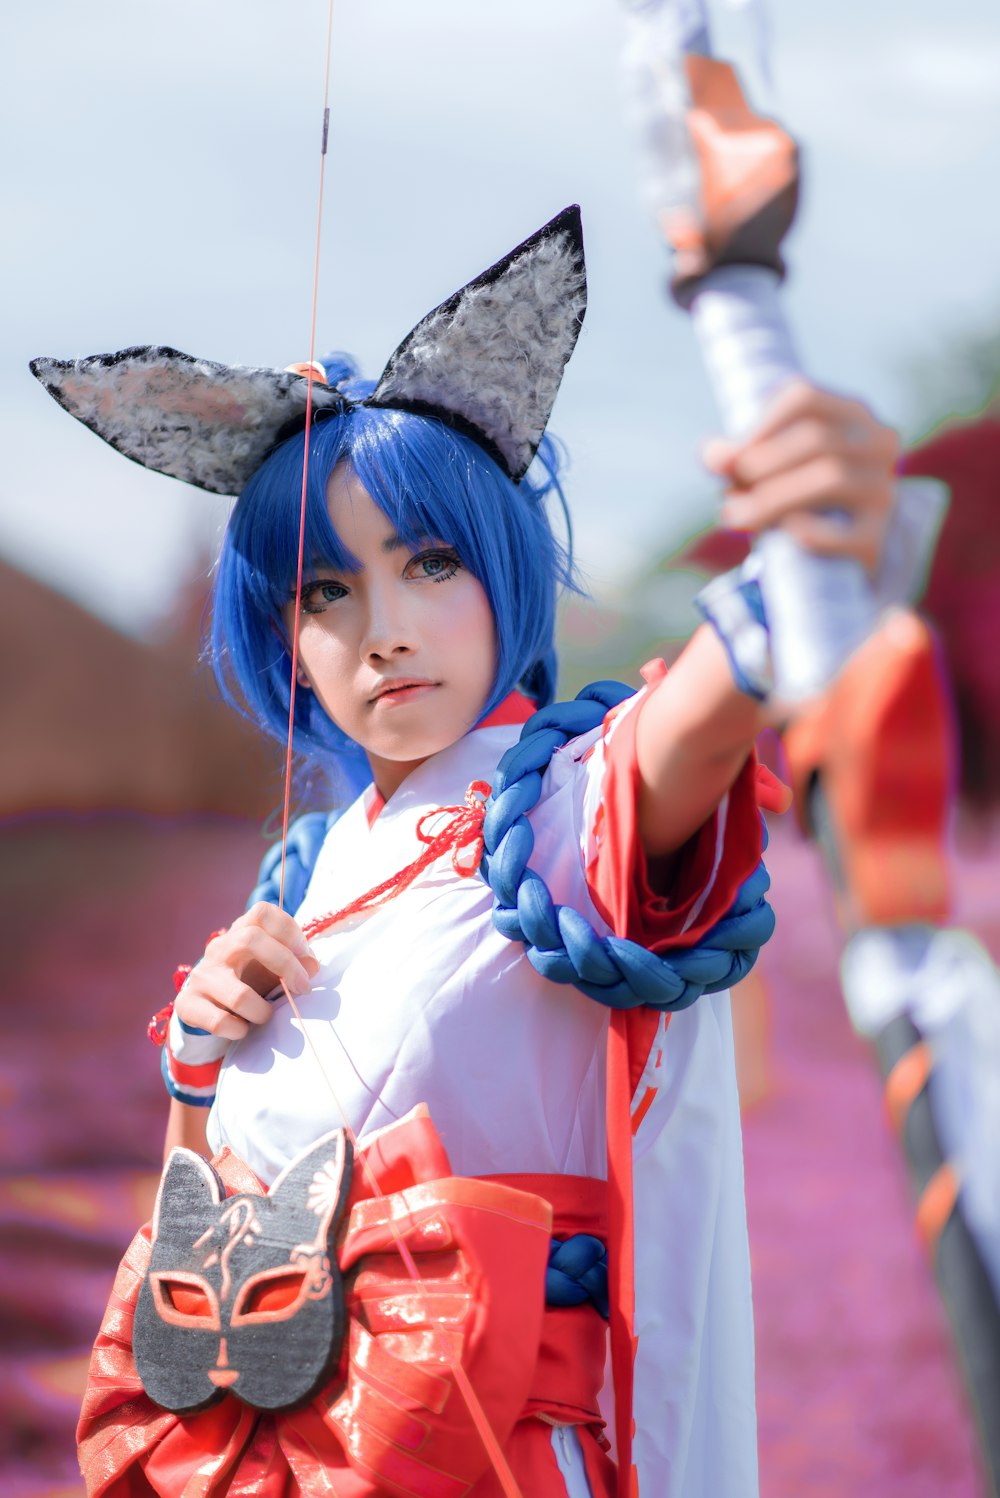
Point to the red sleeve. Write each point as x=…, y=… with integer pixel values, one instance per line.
x=705, y=873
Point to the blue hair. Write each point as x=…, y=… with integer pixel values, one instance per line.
x=429, y=481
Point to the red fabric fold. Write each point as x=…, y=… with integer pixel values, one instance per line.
x=704, y=874
x=621, y=1243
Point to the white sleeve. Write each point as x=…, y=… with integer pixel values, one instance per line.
x=696, y=1429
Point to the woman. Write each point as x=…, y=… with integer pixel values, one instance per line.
x=418, y=645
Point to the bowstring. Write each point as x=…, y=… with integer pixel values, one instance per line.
x=310, y=380
x=476, y=1411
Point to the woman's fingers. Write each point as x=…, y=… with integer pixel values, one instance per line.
x=863, y=443
x=802, y=423
x=820, y=466
x=263, y=961
x=718, y=454
x=261, y=950
x=824, y=483
x=828, y=536
x=224, y=1006
x=800, y=401
x=795, y=402
x=265, y=947
x=280, y=925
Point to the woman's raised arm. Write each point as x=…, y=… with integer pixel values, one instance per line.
x=821, y=467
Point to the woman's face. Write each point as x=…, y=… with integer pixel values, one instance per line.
x=402, y=653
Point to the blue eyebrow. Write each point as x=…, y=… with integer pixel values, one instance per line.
x=403, y=543
x=393, y=542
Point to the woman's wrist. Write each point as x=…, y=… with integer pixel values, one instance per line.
x=192, y=1060
x=192, y=1057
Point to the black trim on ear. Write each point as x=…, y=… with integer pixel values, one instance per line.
x=490, y=359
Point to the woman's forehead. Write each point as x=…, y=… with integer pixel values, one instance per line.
x=389, y=521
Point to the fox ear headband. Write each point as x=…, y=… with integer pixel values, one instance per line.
x=488, y=362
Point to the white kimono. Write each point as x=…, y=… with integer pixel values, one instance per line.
x=422, y=1000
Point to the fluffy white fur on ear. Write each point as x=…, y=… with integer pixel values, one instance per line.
x=494, y=354
x=209, y=424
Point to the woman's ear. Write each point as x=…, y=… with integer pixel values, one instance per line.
x=302, y=679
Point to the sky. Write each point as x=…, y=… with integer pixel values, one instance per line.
x=159, y=186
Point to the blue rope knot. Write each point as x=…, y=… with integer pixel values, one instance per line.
x=577, y=1272
x=559, y=942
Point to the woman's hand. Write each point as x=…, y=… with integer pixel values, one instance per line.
x=819, y=466
x=261, y=949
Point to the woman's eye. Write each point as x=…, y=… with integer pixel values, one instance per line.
x=435, y=565
x=316, y=595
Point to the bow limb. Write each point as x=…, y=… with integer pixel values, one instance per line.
x=724, y=185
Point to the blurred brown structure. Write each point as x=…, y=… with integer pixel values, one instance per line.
x=131, y=803
x=95, y=720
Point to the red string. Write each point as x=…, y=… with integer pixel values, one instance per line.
x=157, y=1027
x=463, y=834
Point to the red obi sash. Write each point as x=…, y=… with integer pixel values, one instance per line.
x=394, y=1421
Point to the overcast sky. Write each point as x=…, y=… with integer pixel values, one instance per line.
x=160, y=170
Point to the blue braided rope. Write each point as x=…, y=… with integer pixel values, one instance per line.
x=305, y=838
x=560, y=943
x=577, y=1271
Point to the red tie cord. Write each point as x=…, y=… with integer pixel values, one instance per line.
x=463, y=832
x=157, y=1027
x=621, y=1246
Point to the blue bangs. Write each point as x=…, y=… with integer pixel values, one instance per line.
x=431, y=483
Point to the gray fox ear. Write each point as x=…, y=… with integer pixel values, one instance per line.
x=489, y=361
x=315, y=1184
x=189, y=1184
x=209, y=424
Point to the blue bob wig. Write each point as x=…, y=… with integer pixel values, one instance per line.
x=430, y=482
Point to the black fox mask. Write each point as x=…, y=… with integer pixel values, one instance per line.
x=242, y=1294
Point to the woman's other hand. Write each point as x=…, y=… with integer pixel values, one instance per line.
x=262, y=949
x=819, y=466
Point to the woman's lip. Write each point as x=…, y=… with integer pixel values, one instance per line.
x=406, y=691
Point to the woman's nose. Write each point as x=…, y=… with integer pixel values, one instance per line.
x=388, y=630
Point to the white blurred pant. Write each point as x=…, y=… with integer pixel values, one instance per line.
x=569, y=1459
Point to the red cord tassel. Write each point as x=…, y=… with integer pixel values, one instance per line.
x=463, y=834
x=157, y=1027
